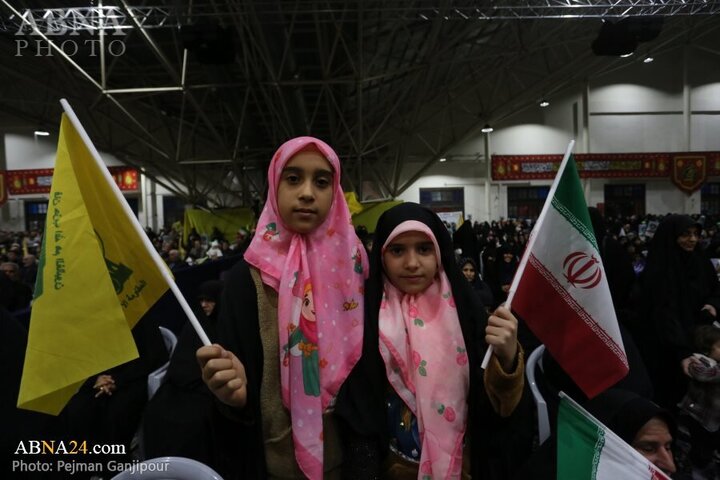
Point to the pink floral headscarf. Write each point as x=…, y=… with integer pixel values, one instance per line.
x=319, y=278
x=426, y=363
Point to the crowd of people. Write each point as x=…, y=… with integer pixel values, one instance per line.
x=20, y=254
x=197, y=249
x=663, y=277
x=344, y=354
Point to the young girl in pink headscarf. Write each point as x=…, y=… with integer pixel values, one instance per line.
x=291, y=326
x=429, y=407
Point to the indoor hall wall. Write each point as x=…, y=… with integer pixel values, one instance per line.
x=13, y=212
x=23, y=152
x=537, y=130
x=648, y=108
x=705, y=130
x=151, y=212
x=639, y=108
x=12, y=217
x=469, y=176
x=661, y=196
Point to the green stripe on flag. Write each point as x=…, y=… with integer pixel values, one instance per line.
x=580, y=443
x=569, y=201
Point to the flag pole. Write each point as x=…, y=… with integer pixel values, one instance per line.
x=159, y=263
x=531, y=242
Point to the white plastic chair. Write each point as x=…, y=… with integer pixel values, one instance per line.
x=169, y=468
x=540, y=403
x=156, y=377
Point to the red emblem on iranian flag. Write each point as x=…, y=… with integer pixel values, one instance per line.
x=582, y=270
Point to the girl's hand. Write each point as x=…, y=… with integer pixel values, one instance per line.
x=224, y=375
x=501, y=333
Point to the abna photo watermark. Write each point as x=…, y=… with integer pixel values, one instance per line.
x=74, y=31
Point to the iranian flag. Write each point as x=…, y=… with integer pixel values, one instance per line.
x=561, y=292
x=588, y=450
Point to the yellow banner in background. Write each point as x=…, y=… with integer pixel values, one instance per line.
x=354, y=205
x=228, y=221
x=371, y=212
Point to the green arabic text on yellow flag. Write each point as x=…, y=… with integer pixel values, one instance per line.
x=96, y=279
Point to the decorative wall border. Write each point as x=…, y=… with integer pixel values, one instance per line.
x=24, y=182
x=597, y=165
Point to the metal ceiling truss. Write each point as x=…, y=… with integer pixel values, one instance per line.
x=391, y=85
x=149, y=17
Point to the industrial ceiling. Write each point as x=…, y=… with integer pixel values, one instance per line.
x=199, y=94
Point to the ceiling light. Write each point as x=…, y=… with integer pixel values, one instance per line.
x=648, y=59
x=41, y=133
x=544, y=103
x=443, y=159
x=487, y=128
x=626, y=55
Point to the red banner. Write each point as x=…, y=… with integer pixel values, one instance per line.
x=3, y=189
x=23, y=182
x=125, y=177
x=689, y=172
x=597, y=165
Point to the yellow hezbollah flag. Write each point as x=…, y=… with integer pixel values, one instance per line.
x=96, y=278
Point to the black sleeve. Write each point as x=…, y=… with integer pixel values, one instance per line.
x=498, y=444
x=238, y=331
x=183, y=370
x=360, y=406
x=151, y=349
x=619, y=271
x=670, y=327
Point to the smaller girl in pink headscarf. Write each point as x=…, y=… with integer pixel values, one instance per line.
x=425, y=334
x=290, y=339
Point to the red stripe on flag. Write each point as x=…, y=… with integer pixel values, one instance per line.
x=583, y=349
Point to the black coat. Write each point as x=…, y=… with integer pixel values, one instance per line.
x=181, y=418
x=617, y=264
x=238, y=330
x=465, y=239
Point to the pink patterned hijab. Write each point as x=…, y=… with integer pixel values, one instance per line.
x=319, y=278
x=426, y=363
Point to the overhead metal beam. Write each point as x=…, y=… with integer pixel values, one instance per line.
x=171, y=70
x=422, y=11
